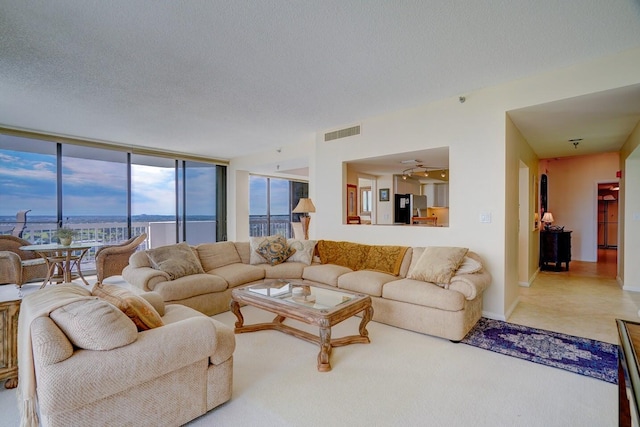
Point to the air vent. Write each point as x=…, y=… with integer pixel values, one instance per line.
x=342, y=133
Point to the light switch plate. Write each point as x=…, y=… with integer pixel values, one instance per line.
x=485, y=217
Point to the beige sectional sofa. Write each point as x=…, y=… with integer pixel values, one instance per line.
x=389, y=274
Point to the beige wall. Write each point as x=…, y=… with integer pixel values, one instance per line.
x=629, y=204
x=482, y=171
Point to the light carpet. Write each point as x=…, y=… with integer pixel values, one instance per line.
x=400, y=378
x=582, y=356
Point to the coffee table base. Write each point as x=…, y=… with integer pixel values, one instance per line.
x=323, y=340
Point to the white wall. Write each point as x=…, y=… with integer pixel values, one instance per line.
x=629, y=230
x=483, y=178
x=572, y=188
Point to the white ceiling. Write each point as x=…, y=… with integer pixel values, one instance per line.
x=225, y=78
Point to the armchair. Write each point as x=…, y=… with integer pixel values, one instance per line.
x=112, y=259
x=18, y=266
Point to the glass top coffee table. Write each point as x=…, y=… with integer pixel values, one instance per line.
x=313, y=305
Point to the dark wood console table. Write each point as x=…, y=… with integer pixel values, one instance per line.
x=628, y=373
x=555, y=248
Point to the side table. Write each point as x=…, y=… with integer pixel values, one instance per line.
x=9, y=310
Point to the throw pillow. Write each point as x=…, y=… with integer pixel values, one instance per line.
x=139, y=310
x=94, y=324
x=176, y=260
x=304, y=250
x=469, y=266
x=274, y=250
x=438, y=264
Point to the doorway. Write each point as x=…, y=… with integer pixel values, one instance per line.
x=607, y=227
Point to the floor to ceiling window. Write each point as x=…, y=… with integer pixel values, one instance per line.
x=108, y=194
x=271, y=201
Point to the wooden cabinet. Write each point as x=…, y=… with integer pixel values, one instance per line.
x=555, y=248
x=9, y=342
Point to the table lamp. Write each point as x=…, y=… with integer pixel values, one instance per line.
x=547, y=218
x=304, y=207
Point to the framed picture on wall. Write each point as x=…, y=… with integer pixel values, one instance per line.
x=352, y=200
x=384, y=194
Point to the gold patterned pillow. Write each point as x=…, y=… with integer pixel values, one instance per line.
x=438, y=264
x=274, y=250
x=135, y=307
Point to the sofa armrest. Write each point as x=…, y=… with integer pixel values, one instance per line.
x=471, y=285
x=145, y=278
x=88, y=376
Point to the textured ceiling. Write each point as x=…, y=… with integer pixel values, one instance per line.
x=225, y=78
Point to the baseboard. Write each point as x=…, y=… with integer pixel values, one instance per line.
x=494, y=316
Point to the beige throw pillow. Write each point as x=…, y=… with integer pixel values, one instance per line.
x=94, y=324
x=304, y=250
x=438, y=264
x=469, y=266
x=176, y=260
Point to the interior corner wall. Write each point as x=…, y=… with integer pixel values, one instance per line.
x=629, y=204
x=572, y=186
x=519, y=150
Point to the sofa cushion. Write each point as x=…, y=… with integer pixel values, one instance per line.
x=176, y=260
x=286, y=270
x=244, y=251
x=50, y=344
x=325, y=273
x=239, y=274
x=423, y=293
x=274, y=249
x=190, y=286
x=365, y=281
x=214, y=255
x=347, y=254
x=437, y=264
x=139, y=310
x=95, y=324
x=386, y=259
x=139, y=259
x=304, y=250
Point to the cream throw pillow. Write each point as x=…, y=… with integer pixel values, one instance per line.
x=304, y=250
x=94, y=324
x=469, y=266
x=438, y=264
x=176, y=260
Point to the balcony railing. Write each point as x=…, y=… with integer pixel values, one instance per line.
x=157, y=232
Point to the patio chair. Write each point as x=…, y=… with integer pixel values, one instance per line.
x=21, y=223
x=112, y=259
x=18, y=266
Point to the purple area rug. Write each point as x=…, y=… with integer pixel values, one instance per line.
x=582, y=356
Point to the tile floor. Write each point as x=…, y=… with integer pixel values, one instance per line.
x=584, y=301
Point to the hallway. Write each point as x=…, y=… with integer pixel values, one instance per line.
x=584, y=301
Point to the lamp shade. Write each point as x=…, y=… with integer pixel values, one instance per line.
x=304, y=206
x=547, y=217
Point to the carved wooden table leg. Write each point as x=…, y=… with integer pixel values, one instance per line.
x=325, y=347
x=11, y=383
x=235, y=309
x=367, y=314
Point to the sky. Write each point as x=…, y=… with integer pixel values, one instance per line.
x=96, y=187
